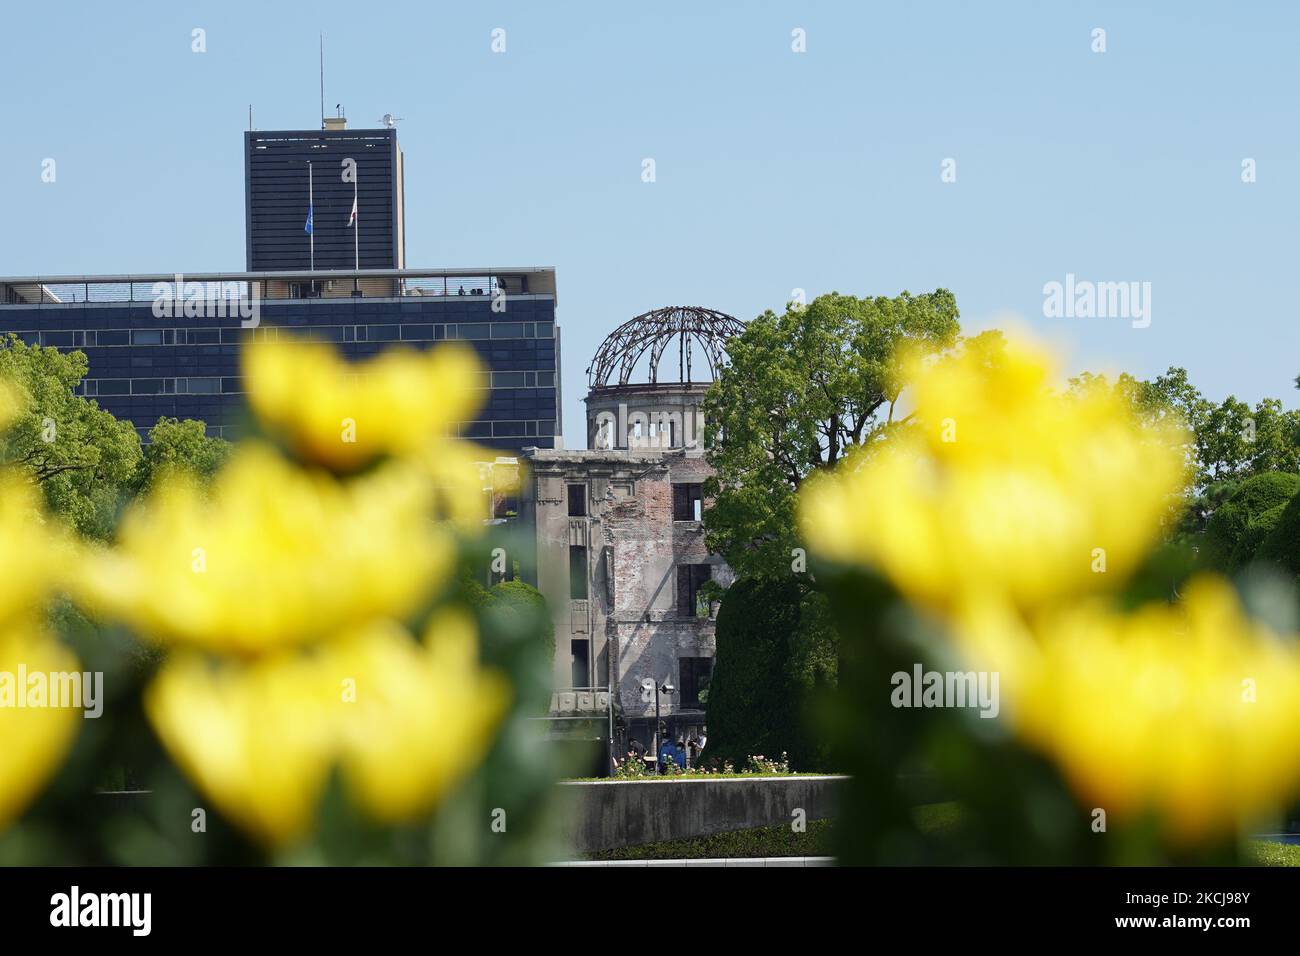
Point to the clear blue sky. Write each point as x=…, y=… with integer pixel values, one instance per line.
x=775, y=170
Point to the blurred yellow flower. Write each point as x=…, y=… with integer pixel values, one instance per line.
x=1002, y=487
x=462, y=479
x=345, y=415
x=33, y=740
x=422, y=715
x=1192, y=710
x=252, y=736
x=35, y=555
x=404, y=721
x=272, y=555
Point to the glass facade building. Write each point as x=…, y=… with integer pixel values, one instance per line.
x=155, y=347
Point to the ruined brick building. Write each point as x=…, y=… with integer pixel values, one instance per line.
x=620, y=553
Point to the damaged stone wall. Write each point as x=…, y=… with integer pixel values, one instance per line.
x=632, y=614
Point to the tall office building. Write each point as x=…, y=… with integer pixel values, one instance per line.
x=285, y=170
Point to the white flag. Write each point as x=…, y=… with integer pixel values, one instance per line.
x=352, y=219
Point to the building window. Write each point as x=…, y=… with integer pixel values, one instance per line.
x=202, y=386
x=147, y=337
x=580, y=670
x=693, y=676
x=147, y=386
x=577, y=572
x=577, y=501
x=690, y=578
x=688, y=502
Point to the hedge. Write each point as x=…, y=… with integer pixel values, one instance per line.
x=775, y=649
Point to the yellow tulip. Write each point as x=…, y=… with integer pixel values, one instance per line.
x=1002, y=486
x=254, y=737
x=422, y=715
x=272, y=556
x=345, y=415
x=35, y=554
x=33, y=740
x=1192, y=709
x=404, y=721
x=34, y=558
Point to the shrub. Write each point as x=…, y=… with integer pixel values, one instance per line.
x=1282, y=543
x=1230, y=523
x=515, y=603
x=1257, y=529
x=524, y=599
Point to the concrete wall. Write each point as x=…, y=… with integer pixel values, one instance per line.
x=609, y=814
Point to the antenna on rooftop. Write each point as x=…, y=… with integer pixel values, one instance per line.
x=322, y=79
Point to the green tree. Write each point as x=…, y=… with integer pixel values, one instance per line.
x=776, y=648
x=1231, y=439
x=179, y=445
x=800, y=391
x=81, y=456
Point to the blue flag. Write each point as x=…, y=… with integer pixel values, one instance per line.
x=307, y=228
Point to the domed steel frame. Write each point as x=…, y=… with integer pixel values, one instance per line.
x=654, y=332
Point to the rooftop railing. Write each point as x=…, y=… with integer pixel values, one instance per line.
x=270, y=286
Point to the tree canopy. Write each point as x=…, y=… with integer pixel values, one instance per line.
x=801, y=391
x=86, y=461
x=176, y=444
x=80, y=455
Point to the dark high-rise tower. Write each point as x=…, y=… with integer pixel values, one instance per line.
x=276, y=196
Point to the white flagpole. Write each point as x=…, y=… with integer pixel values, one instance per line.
x=356, y=228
